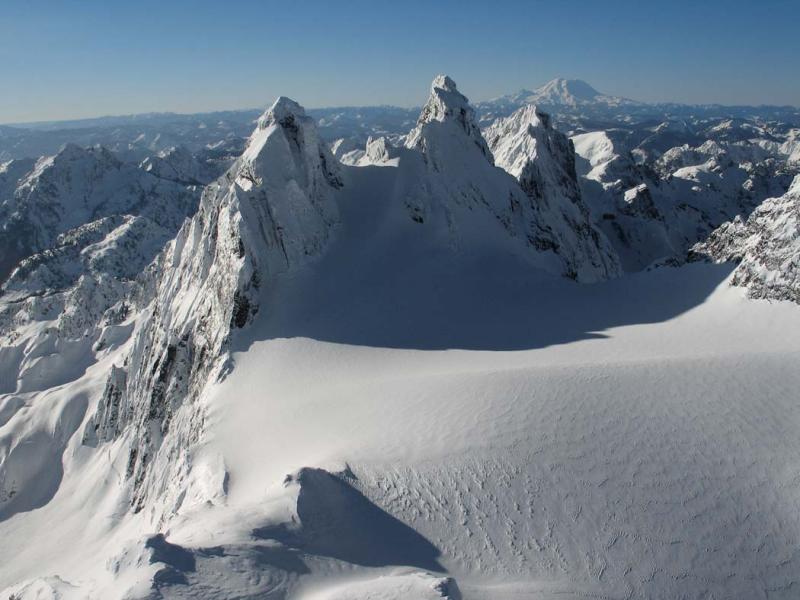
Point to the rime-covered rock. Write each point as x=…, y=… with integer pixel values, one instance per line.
x=446, y=122
x=766, y=245
x=543, y=161
x=270, y=212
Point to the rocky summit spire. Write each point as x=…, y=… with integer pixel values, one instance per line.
x=285, y=144
x=542, y=160
x=446, y=114
x=273, y=210
x=281, y=111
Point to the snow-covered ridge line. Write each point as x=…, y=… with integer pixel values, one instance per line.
x=275, y=208
x=270, y=212
x=74, y=187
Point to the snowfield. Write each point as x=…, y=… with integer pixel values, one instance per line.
x=653, y=455
x=384, y=380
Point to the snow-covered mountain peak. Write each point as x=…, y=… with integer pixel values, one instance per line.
x=572, y=93
x=542, y=159
x=71, y=151
x=525, y=118
x=567, y=91
x=286, y=146
x=274, y=210
x=69, y=158
x=446, y=103
x=443, y=82
x=446, y=117
x=281, y=110
x=74, y=187
x=379, y=151
x=558, y=94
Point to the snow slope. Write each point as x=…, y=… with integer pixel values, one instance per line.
x=365, y=381
x=601, y=466
x=628, y=439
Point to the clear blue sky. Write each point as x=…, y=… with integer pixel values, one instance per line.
x=78, y=58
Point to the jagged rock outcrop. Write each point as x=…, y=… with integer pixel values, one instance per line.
x=379, y=150
x=270, y=212
x=446, y=119
x=347, y=150
x=543, y=161
x=638, y=202
x=87, y=271
x=766, y=245
x=458, y=183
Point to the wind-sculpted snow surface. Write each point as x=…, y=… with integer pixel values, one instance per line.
x=766, y=246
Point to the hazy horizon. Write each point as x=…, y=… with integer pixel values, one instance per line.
x=391, y=105
x=114, y=60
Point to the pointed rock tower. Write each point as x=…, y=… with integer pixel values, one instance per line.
x=534, y=203
x=446, y=119
x=269, y=213
x=542, y=159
